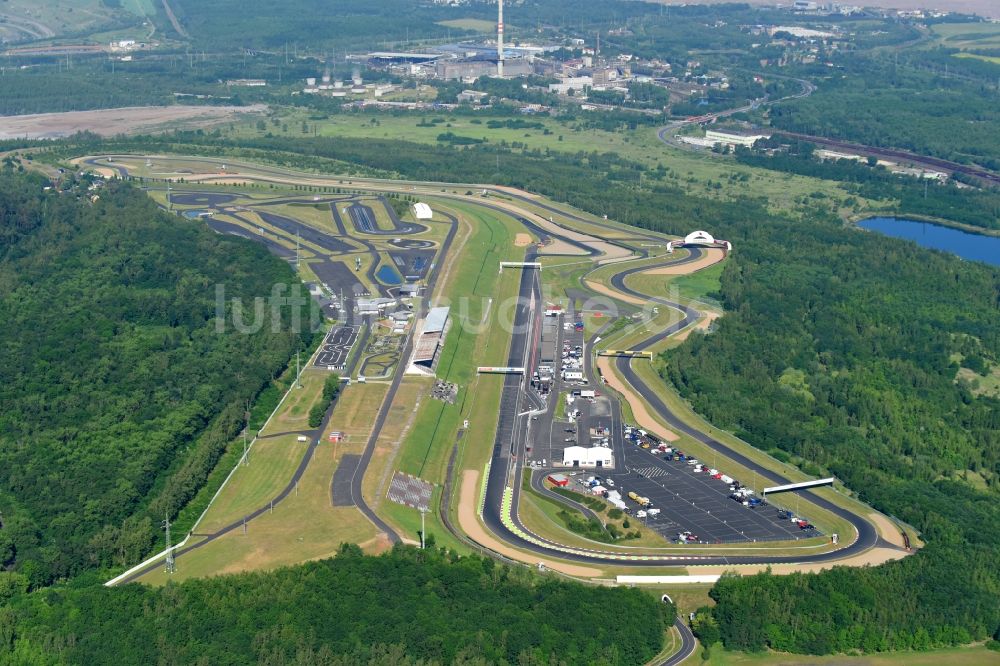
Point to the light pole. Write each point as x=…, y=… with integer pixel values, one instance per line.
x=423, y=512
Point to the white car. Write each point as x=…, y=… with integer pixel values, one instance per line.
x=611, y=483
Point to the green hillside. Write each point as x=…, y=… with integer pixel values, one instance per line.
x=118, y=392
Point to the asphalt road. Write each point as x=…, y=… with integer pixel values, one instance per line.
x=688, y=644
x=505, y=453
x=383, y=413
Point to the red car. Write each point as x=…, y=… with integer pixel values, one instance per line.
x=717, y=476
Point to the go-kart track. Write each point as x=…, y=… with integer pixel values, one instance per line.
x=520, y=406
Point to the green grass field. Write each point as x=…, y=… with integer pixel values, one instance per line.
x=960, y=656
x=967, y=35
x=472, y=272
x=478, y=25
x=484, y=239
x=695, y=173
x=991, y=59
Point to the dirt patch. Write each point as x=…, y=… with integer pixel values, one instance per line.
x=560, y=247
x=608, y=291
x=887, y=530
x=111, y=122
x=470, y=524
x=869, y=558
x=380, y=543
x=522, y=240
x=703, y=324
x=711, y=256
x=642, y=416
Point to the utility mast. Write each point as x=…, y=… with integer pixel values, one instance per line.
x=171, y=565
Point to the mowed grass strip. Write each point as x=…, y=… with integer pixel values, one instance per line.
x=305, y=525
x=429, y=442
x=272, y=463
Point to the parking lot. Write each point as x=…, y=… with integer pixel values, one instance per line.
x=695, y=502
x=686, y=505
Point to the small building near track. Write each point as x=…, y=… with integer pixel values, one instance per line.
x=594, y=456
x=422, y=211
x=560, y=480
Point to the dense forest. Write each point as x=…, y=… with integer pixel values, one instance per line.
x=119, y=393
x=408, y=607
x=842, y=350
x=928, y=102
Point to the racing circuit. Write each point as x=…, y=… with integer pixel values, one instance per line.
x=527, y=431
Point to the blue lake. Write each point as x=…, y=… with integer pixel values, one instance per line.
x=975, y=247
x=388, y=275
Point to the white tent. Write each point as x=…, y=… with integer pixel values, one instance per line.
x=423, y=211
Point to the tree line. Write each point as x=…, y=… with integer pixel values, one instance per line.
x=407, y=606
x=119, y=393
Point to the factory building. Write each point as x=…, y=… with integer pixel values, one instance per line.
x=473, y=68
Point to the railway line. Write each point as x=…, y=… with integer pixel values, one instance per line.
x=937, y=163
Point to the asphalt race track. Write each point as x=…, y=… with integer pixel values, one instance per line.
x=337, y=347
x=504, y=464
x=306, y=233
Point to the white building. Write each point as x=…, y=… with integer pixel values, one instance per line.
x=574, y=83
x=699, y=238
x=727, y=139
x=702, y=239
x=595, y=456
x=422, y=211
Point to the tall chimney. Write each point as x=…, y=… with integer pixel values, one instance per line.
x=500, y=38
